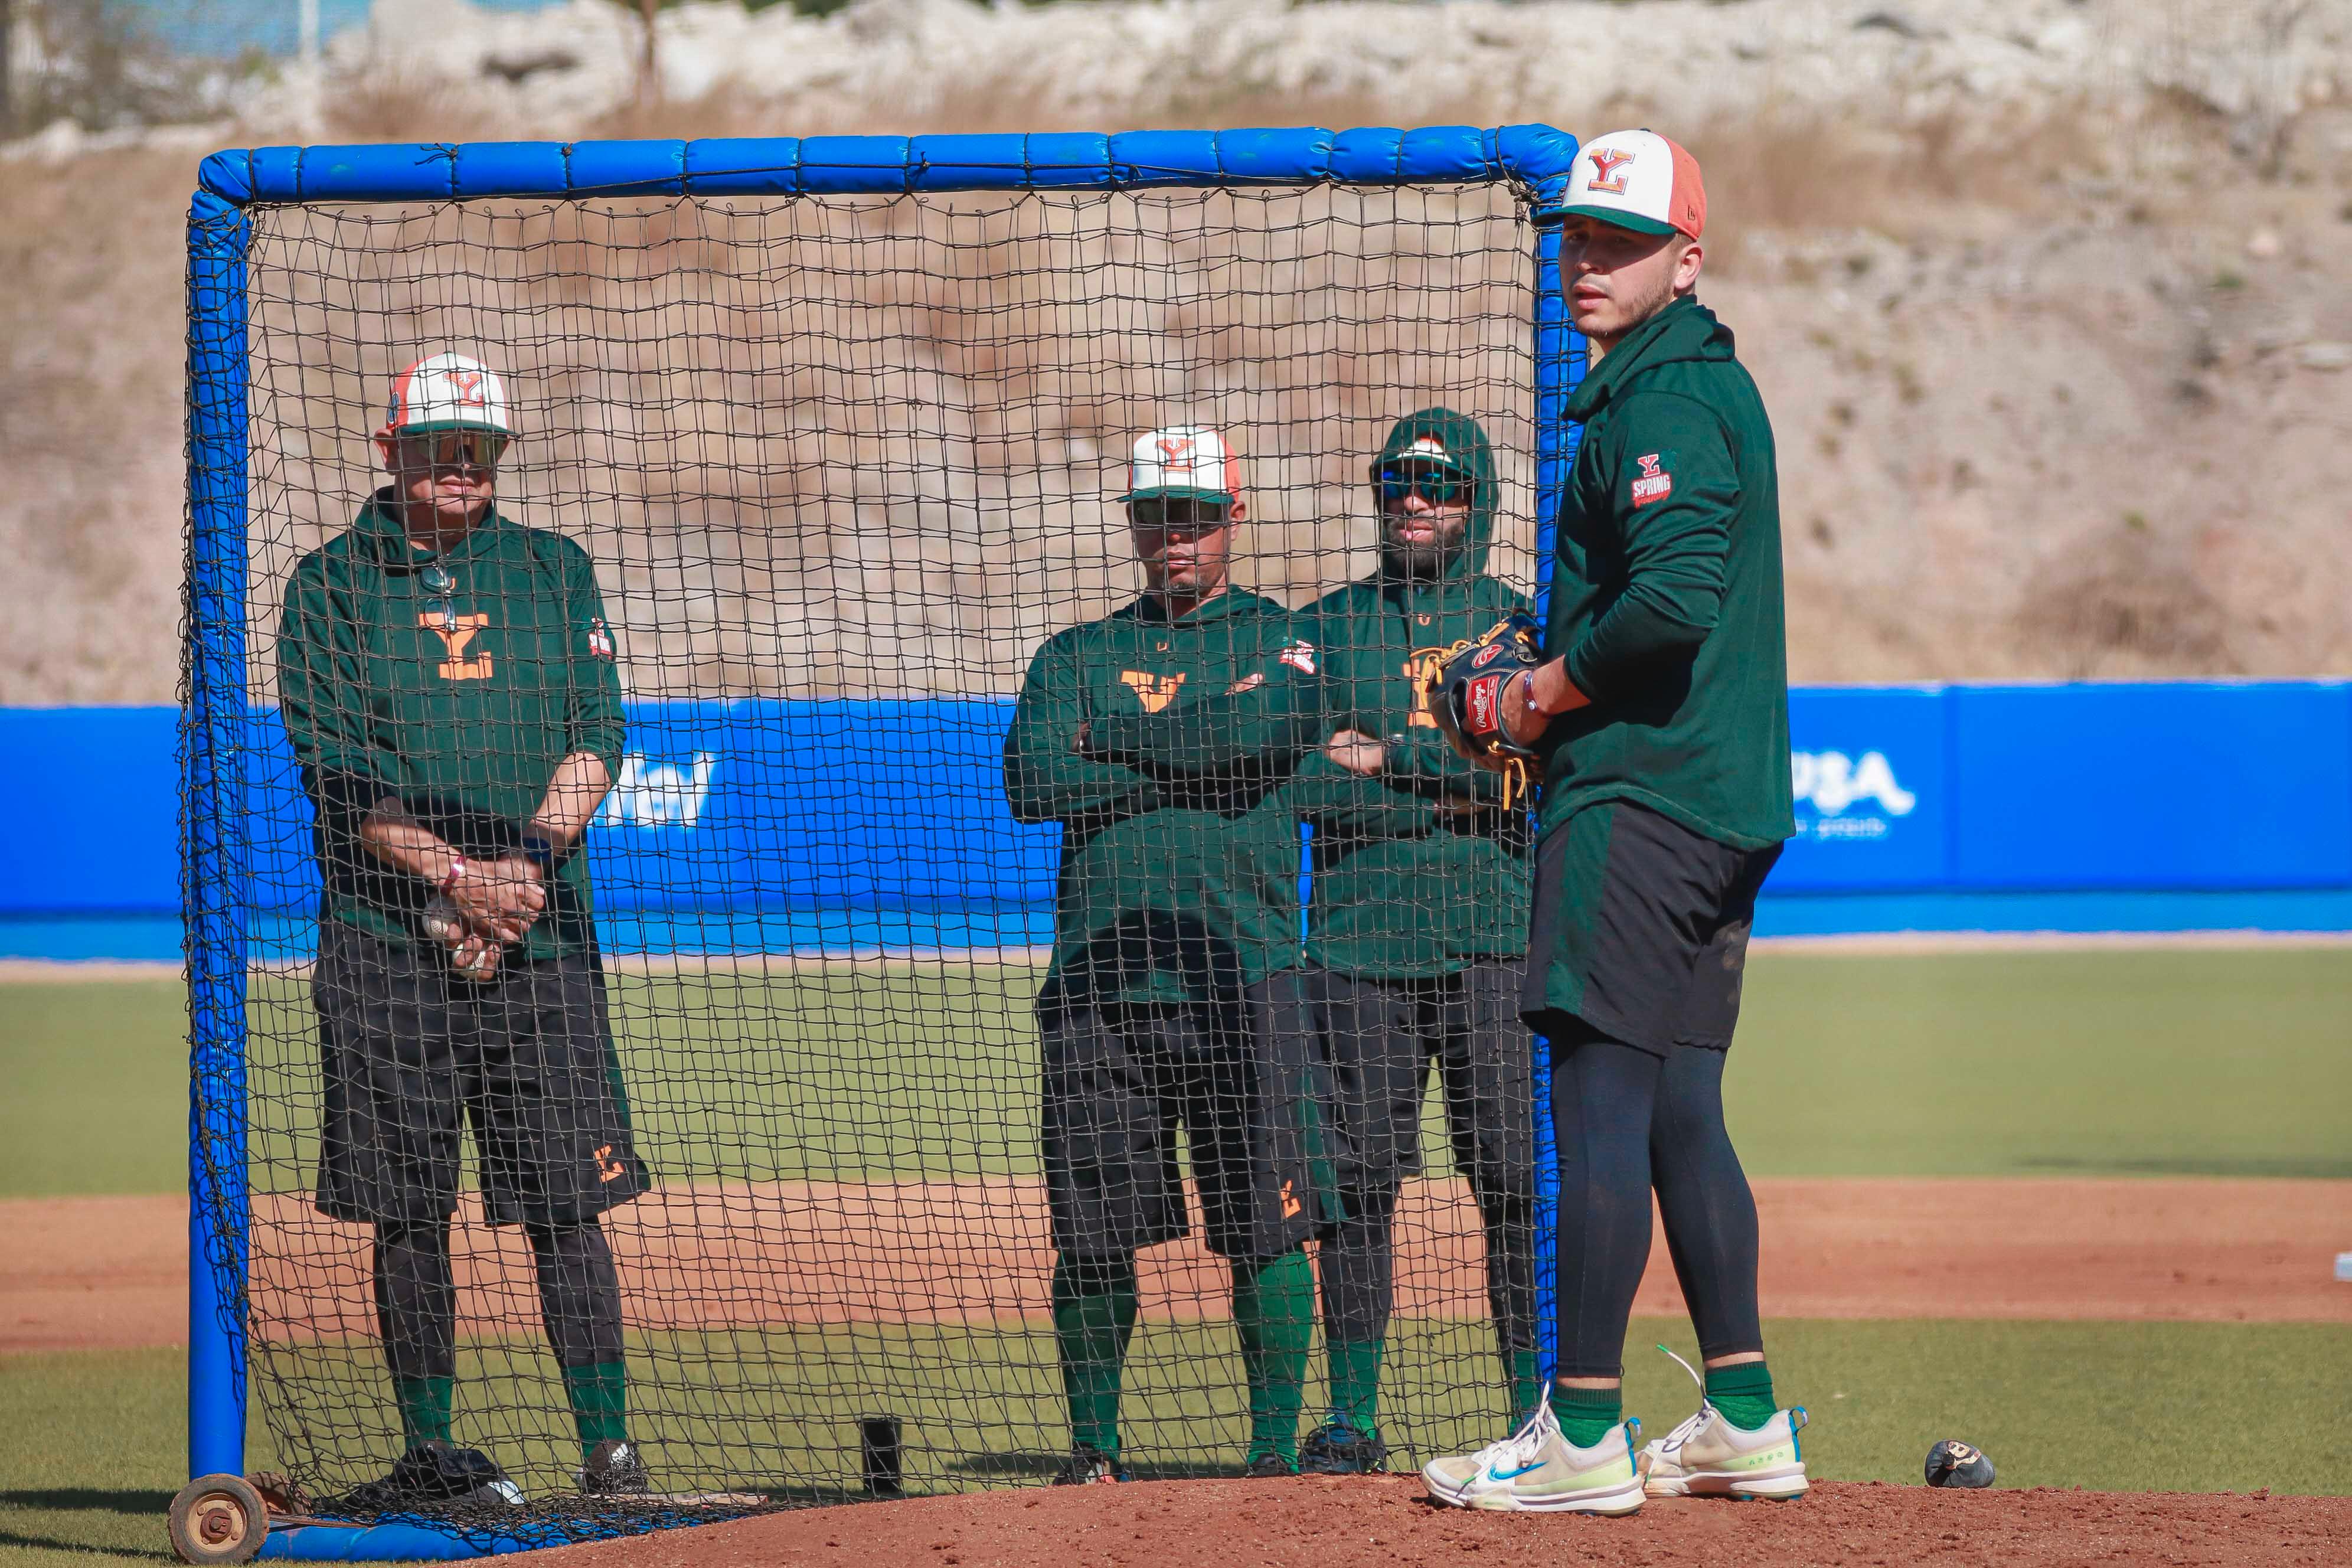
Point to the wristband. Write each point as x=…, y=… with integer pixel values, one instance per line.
x=1527, y=696
x=457, y=869
x=541, y=851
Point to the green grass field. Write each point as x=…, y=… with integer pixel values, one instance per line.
x=2182, y=1061
x=95, y=1452
x=2104, y=1062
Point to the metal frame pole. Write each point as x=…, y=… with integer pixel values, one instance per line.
x=1560, y=357
x=213, y=840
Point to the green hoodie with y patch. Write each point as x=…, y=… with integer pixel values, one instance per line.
x=1420, y=869
x=1666, y=596
x=461, y=704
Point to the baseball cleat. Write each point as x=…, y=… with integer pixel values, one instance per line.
x=431, y=1475
x=1267, y=1467
x=1089, y=1466
x=1707, y=1455
x=1537, y=1471
x=616, y=1468
x=1336, y=1449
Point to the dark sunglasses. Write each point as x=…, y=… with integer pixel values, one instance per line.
x=462, y=449
x=1437, y=486
x=1178, y=511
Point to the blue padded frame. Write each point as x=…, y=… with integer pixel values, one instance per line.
x=1534, y=159
x=214, y=844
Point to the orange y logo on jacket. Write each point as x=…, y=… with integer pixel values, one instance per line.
x=455, y=632
x=1154, y=691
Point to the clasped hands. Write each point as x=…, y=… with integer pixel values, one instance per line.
x=495, y=902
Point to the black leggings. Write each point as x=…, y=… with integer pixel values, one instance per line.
x=1626, y=1123
x=416, y=1296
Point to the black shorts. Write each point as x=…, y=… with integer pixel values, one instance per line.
x=1240, y=1077
x=1380, y=1040
x=409, y=1053
x=1640, y=928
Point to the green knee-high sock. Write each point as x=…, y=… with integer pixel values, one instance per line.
x=1356, y=1384
x=1587, y=1415
x=1094, y=1319
x=1743, y=1392
x=1527, y=1384
x=600, y=1402
x=1273, y=1310
x=425, y=1405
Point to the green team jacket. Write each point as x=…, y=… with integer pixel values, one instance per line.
x=466, y=725
x=1420, y=869
x=1665, y=592
x=1180, y=873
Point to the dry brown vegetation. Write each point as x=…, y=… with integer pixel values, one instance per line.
x=2055, y=397
x=865, y=446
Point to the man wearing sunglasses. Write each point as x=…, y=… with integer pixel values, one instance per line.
x=448, y=682
x=1418, y=922
x=1661, y=715
x=1173, y=995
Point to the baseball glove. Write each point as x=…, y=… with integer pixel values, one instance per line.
x=1464, y=692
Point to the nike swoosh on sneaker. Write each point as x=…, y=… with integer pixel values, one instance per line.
x=1495, y=1475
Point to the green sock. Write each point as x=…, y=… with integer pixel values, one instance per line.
x=1094, y=1319
x=600, y=1402
x=1273, y=1310
x=1587, y=1415
x=424, y=1407
x=1356, y=1384
x=1526, y=1386
x=1743, y=1392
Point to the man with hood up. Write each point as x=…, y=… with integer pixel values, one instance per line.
x=1417, y=925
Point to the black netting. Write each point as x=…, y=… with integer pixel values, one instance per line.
x=838, y=469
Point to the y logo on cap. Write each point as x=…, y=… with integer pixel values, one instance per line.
x=1607, y=174
x=469, y=384
x=1175, y=449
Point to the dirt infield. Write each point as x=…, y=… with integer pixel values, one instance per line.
x=1385, y=1521
x=107, y=1272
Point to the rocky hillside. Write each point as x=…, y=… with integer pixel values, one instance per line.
x=2049, y=299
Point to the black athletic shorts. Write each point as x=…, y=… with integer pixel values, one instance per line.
x=1640, y=928
x=410, y=1053
x=1240, y=1077
x=1380, y=1040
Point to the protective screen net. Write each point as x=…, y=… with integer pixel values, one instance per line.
x=946, y=1087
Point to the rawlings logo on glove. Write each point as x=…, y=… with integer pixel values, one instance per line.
x=1462, y=691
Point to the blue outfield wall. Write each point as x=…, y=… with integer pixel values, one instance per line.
x=773, y=826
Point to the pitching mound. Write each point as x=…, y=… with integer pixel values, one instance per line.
x=1386, y=1521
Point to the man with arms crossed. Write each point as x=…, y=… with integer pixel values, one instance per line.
x=1174, y=994
x=1419, y=915
x=447, y=680
x=1661, y=714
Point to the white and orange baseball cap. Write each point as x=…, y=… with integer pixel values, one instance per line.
x=1184, y=462
x=447, y=392
x=1637, y=180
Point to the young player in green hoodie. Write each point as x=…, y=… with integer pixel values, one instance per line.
x=1662, y=714
x=1174, y=993
x=1418, y=919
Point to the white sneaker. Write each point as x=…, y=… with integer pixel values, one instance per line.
x=1536, y=1469
x=1707, y=1455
